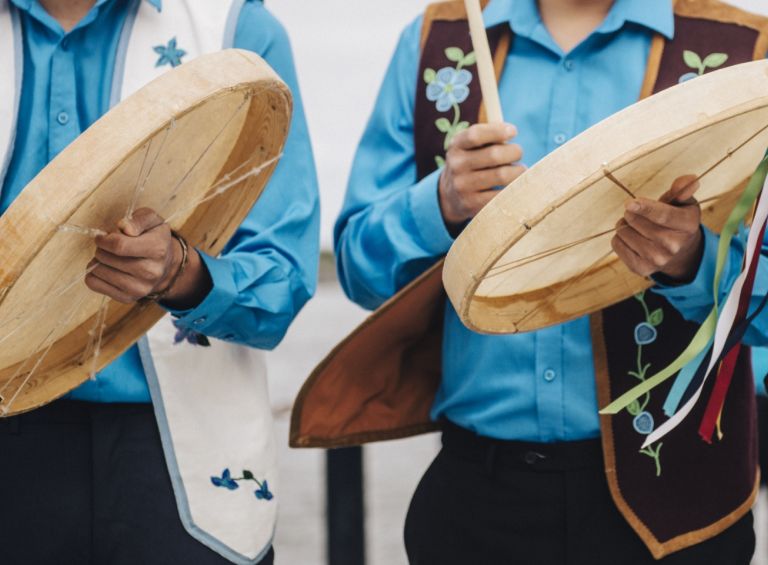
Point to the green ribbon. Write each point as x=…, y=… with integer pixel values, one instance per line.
x=707, y=329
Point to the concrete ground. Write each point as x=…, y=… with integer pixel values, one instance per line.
x=392, y=469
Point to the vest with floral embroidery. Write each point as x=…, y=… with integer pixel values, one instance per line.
x=681, y=491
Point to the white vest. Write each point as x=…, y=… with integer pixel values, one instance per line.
x=211, y=403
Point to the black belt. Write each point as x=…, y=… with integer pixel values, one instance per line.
x=561, y=456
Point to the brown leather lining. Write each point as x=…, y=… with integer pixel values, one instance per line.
x=401, y=323
x=657, y=548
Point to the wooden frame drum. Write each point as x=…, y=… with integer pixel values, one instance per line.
x=197, y=144
x=539, y=253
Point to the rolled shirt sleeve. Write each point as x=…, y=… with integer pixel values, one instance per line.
x=268, y=270
x=390, y=229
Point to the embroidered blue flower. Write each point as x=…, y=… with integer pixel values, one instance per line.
x=687, y=77
x=645, y=333
x=449, y=87
x=169, y=54
x=229, y=482
x=643, y=423
x=263, y=492
x=190, y=336
x=225, y=481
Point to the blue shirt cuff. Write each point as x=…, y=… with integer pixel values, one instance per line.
x=697, y=292
x=424, y=205
x=220, y=298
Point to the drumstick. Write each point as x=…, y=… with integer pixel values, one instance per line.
x=485, y=69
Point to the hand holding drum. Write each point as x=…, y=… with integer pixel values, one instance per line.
x=142, y=257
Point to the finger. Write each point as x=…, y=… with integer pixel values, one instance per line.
x=682, y=190
x=150, y=245
x=678, y=218
x=481, y=199
x=493, y=156
x=664, y=237
x=488, y=178
x=125, y=283
x=632, y=260
x=102, y=287
x=480, y=135
x=143, y=220
x=646, y=249
x=145, y=269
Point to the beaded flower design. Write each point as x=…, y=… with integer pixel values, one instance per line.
x=448, y=88
x=227, y=481
x=645, y=334
x=169, y=54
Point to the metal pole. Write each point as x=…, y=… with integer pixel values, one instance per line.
x=345, y=506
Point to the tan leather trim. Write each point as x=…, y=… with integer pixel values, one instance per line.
x=450, y=11
x=657, y=548
x=721, y=12
x=761, y=46
x=654, y=64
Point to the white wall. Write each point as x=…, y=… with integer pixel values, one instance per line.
x=342, y=48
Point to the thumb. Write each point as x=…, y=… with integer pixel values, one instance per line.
x=682, y=190
x=142, y=221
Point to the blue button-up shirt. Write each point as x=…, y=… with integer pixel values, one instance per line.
x=537, y=386
x=268, y=270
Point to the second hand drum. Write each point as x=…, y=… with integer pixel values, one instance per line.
x=198, y=145
x=539, y=253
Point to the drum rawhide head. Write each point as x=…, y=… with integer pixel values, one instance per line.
x=198, y=145
x=540, y=253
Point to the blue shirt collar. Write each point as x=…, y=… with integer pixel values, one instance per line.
x=27, y=4
x=523, y=16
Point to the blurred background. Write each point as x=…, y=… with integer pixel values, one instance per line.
x=342, y=49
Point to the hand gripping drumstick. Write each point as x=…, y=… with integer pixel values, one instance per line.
x=485, y=69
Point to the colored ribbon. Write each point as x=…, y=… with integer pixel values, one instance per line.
x=711, y=324
x=728, y=366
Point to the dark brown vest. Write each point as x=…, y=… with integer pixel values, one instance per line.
x=380, y=382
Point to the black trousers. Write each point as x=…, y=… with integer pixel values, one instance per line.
x=87, y=484
x=483, y=502
x=762, y=433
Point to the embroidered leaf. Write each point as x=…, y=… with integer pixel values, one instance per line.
x=693, y=60
x=714, y=60
x=470, y=59
x=461, y=126
x=634, y=408
x=454, y=54
x=640, y=296
x=443, y=124
x=657, y=317
x=429, y=75
x=247, y=475
x=440, y=161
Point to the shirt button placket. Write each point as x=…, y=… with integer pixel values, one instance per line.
x=63, y=128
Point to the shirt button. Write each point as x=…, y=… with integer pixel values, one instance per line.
x=568, y=64
x=549, y=375
x=199, y=321
x=560, y=138
x=65, y=43
x=63, y=118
